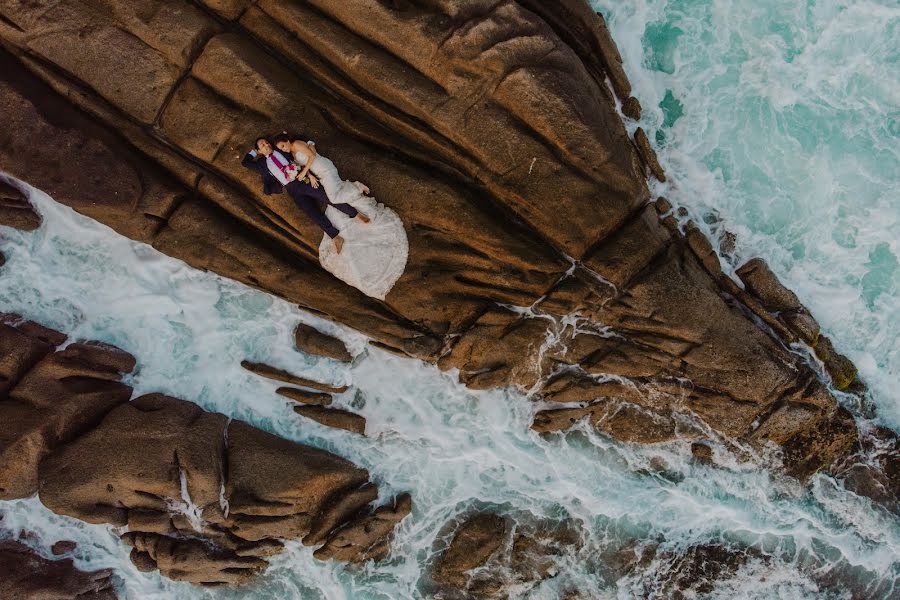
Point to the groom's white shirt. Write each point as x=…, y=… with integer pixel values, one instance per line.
x=274, y=170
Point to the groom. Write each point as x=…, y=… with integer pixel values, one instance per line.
x=278, y=172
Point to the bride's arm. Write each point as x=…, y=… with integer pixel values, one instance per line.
x=310, y=157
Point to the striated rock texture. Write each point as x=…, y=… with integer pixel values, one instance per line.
x=489, y=127
x=25, y=575
x=205, y=498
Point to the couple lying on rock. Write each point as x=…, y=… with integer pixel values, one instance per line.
x=365, y=243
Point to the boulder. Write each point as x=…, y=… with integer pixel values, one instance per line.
x=648, y=154
x=841, y=369
x=312, y=341
x=473, y=544
x=63, y=547
x=25, y=575
x=760, y=281
x=334, y=417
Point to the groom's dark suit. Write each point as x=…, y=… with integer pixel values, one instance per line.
x=310, y=200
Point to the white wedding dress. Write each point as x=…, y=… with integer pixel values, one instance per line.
x=374, y=254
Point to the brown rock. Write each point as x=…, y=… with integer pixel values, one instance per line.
x=205, y=499
x=841, y=369
x=702, y=453
x=695, y=571
x=631, y=108
x=15, y=209
x=277, y=374
x=53, y=398
x=473, y=544
x=648, y=154
x=25, y=575
x=63, y=547
x=873, y=470
x=333, y=417
x=312, y=341
x=803, y=324
x=368, y=537
x=762, y=283
x=305, y=397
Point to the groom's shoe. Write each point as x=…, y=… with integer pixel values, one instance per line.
x=363, y=218
x=339, y=243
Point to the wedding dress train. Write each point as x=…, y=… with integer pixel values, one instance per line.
x=374, y=254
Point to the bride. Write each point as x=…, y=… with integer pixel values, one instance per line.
x=375, y=249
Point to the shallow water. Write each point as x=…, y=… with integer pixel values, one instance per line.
x=780, y=127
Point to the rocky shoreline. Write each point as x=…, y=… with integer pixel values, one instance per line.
x=538, y=256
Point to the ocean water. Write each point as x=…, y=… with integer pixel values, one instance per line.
x=779, y=121
x=773, y=121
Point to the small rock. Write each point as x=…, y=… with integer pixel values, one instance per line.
x=727, y=243
x=312, y=341
x=270, y=372
x=631, y=108
x=334, y=417
x=702, y=453
x=762, y=283
x=841, y=369
x=648, y=155
x=2, y=259
x=63, y=547
x=305, y=397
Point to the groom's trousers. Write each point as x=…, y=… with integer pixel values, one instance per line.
x=313, y=202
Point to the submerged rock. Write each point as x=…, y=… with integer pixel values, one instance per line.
x=25, y=575
x=205, y=498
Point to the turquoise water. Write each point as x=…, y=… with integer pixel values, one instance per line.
x=778, y=127
x=781, y=118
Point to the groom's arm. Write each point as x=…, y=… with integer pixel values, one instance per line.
x=250, y=162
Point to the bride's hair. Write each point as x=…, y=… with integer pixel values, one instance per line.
x=282, y=137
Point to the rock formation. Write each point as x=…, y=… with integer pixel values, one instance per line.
x=205, y=498
x=489, y=127
x=25, y=575
x=489, y=555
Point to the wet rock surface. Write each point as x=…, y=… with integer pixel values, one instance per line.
x=15, y=210
x=206, y=499
x=490, y=555
x=26, y=575
x=487, y=126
